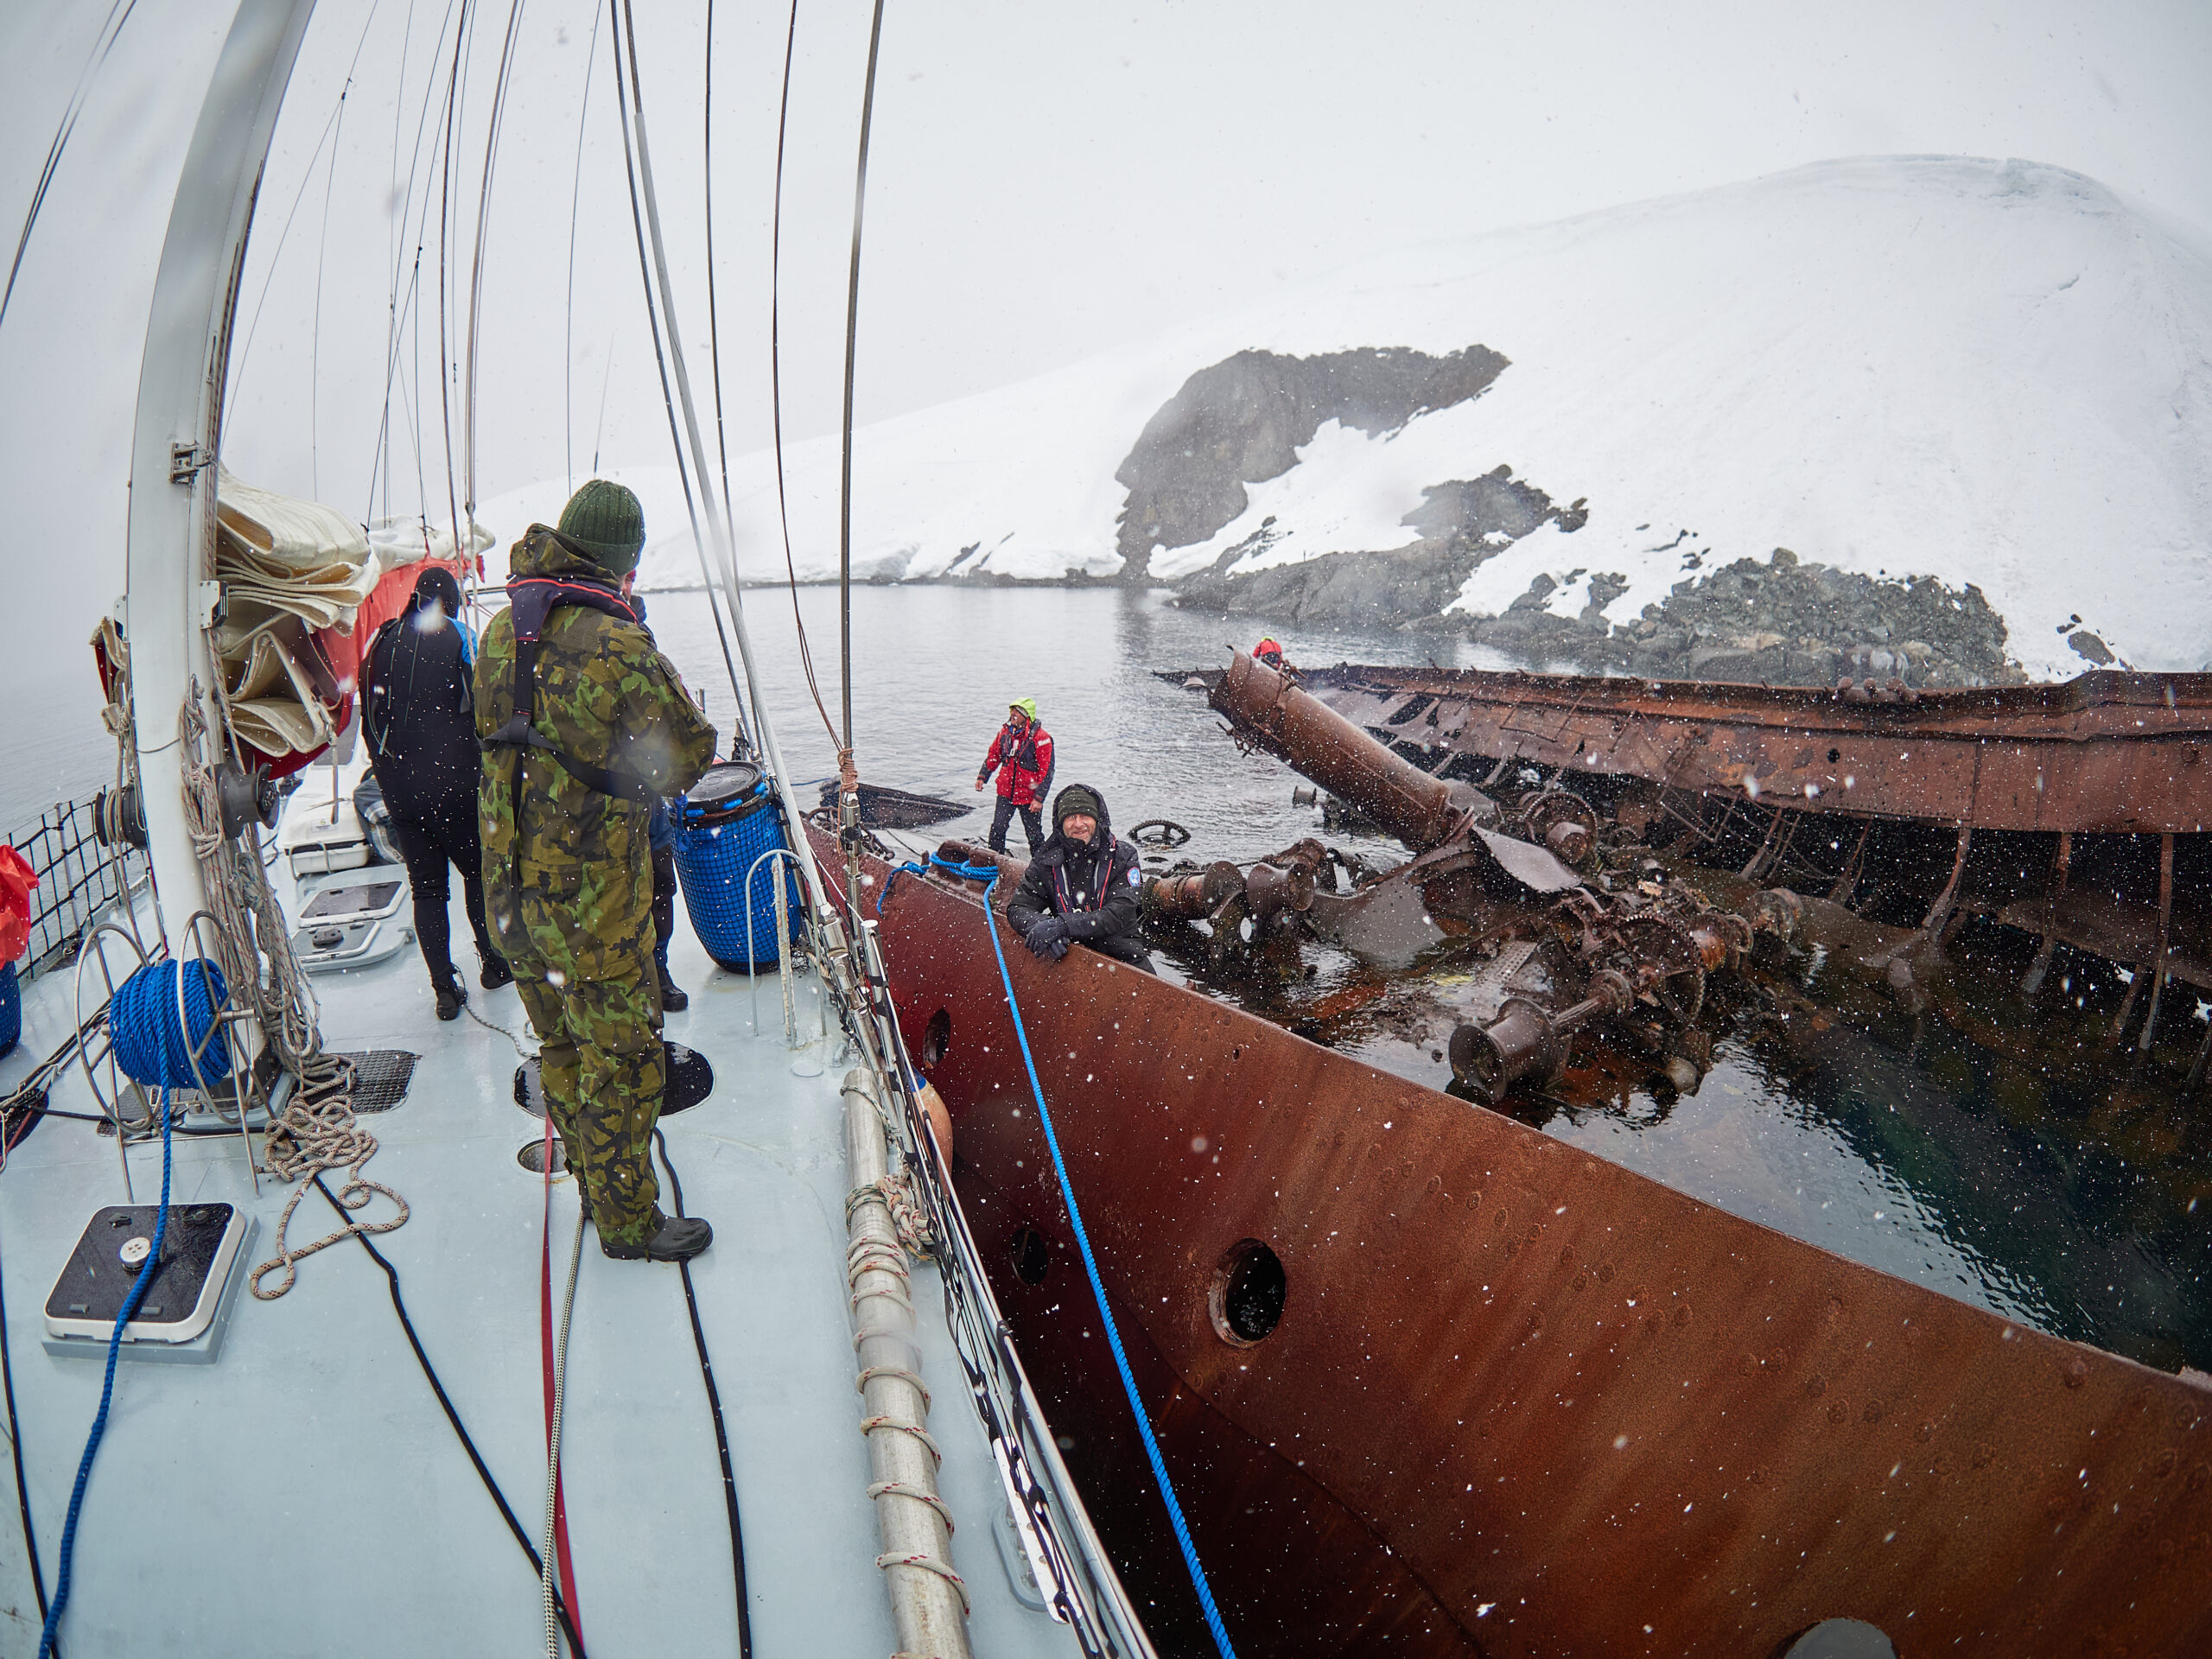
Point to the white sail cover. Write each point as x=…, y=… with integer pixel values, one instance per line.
x=290, y=555
x=287, y=568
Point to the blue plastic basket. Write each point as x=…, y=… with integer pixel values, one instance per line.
x=12, y=1008
x=722, y=827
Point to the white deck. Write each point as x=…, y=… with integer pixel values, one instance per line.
x=304, y=1495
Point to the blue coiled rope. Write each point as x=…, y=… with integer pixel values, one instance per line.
x=150, y=1045
x=155, y=1049
x=1105, y=1314
x=937, y=861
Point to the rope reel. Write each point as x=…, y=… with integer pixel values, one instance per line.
x=163, y=1020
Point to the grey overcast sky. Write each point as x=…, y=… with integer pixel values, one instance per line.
x=1048, y=179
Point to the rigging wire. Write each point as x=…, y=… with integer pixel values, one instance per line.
x=569, y=328
x=322, y=258
x=851, y=343
x=476, y=265
x=606, y=379
x=627, y=23
x=381, y=451
x=411, y=311
x=776, y=382
x=462, y=36
x=714, y=331
x=235, y=376
x=103, y=43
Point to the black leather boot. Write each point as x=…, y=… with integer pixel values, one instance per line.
x=451, y=994
x=496, y=972
x=673, y=1000
x=667, y=1239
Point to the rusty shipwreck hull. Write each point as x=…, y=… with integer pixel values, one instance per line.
x=2074, y=812
x=2105, y=753
x=1519, y=1401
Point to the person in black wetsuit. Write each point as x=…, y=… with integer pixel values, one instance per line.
x=1082, y=886
x=418, y=719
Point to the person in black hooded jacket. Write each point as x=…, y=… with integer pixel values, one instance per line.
x=418, y=719
x=1081, y=886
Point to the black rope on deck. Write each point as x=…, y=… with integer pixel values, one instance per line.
x=714, y=1402
x=537, y=1565
x=15, y=1446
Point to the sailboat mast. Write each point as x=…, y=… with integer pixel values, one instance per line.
x=170, y=555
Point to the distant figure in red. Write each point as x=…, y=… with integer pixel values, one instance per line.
x=1021, y=754
x=1269, y=651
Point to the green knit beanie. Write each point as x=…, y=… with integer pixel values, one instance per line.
x=1073, y=799
x=605, y=520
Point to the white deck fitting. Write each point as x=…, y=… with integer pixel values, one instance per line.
x=304, y=1496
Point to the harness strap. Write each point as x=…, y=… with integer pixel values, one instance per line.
x=533, y=599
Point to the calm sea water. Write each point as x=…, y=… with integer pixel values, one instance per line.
x=1912, y=1153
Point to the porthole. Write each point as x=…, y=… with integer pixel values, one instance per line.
x=1841, y=1638
x=937, y=1037
x=1246, y=1299
x=1033, y=1257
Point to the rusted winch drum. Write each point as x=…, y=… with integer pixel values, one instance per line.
x=1272, y=891
x=1520, y=1042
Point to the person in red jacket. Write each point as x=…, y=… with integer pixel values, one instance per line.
x=1021, y=754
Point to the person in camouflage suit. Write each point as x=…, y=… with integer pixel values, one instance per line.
x=567, y=877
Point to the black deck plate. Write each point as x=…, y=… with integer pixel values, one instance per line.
x=690, y=1080
x=96, y=1280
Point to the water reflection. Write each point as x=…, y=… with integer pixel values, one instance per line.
x=2027, y=1183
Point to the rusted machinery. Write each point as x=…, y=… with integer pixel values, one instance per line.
x=2075, y=813
x=1610, y=954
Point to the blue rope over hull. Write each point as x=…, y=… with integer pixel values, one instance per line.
x=1106, y=1315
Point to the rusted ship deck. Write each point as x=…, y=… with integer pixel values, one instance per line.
x=2102, y=753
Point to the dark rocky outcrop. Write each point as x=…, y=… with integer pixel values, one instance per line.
x=1766, y=622
x=1245, y=419
x=1462, y=521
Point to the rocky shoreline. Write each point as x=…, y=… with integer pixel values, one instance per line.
x=1777, y=621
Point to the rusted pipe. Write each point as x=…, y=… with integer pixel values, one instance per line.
x=2165, y=932
x=1941, y=911
x=1526, y=1040
x=2061, y=864
x=1272, y=891
x=1265, y=708
x=1187, y=897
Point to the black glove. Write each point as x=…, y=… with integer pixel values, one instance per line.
x=1048, y=936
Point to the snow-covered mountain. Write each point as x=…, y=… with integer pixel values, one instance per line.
x=1996, y=374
